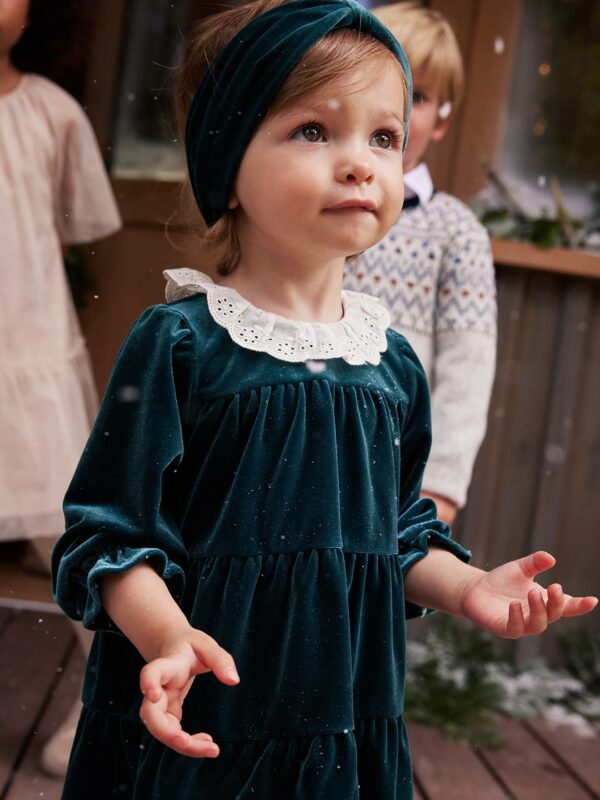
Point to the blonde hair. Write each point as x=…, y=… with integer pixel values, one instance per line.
x=336, y=54
x=430, y=46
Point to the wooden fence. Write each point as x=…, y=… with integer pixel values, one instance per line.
x=535, y=484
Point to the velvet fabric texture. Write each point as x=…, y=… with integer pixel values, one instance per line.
x=243, y=80
x=281, y=506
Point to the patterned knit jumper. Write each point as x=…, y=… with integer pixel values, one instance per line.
x=435, y=274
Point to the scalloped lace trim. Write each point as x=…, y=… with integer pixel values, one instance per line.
x=359, y=337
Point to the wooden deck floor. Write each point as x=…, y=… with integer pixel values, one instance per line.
x=40, y=670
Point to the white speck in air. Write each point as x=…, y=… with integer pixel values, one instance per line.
x=445, y=110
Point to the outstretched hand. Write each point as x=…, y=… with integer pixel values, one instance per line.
x=508, y=602
x=166, y=681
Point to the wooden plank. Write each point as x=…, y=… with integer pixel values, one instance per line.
x=5, y=615
x=26, y=680
x=103, y=68
x=530, y=374
x=569, y=368
x=448, y=770
x=559, y=502
x=29, y=782
x=462, y=15
x=553, y=259
x=488, y=92
x=475, y=525
x=528, y=770
x=21, y=588
x=579, y=753
x=118, y=295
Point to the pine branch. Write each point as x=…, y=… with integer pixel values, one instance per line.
x=503, y=189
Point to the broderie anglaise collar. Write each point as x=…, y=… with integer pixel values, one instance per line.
x=359, y=337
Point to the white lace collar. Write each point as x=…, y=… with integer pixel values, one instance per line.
x=359, y=337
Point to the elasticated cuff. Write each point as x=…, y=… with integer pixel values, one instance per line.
x=414, y=548
x=89, y=602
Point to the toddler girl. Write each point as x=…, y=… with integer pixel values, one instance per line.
x=246, y=513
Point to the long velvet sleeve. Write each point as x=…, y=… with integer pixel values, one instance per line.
x=418, y=526
x=116, y=508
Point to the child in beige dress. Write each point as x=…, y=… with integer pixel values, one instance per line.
x=54, y=191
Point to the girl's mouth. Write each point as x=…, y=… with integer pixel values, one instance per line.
x=356, y=204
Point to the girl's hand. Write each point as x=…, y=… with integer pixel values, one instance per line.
x=165, y=682
x=507, y=601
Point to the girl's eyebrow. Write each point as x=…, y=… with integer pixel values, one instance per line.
x=393, y=113
x=318, y=109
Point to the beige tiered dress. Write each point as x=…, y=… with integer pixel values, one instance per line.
x=53, y=191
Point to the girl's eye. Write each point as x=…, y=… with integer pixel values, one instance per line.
x=418, y=97
x=382, y=139
x=309, y=133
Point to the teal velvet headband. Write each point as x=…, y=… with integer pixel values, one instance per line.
x=243, y=80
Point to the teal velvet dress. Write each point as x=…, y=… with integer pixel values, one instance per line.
x=279, y=500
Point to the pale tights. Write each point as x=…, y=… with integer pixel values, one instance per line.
x=54, y=757
x=43, y=548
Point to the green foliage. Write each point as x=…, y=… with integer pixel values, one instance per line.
x=582, y=655
x=447, y=685
x=502, y=223
x=456, y=681
x=508, y=219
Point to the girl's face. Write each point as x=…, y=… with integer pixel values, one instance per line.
x=322, y=178
x=13, y=21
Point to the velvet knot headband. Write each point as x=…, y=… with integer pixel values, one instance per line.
x=243, y=80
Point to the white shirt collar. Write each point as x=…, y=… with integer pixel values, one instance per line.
x=359, y=337
x=418, y=183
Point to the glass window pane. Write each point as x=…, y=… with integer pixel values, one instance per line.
x=144, y=142
x=554, y=112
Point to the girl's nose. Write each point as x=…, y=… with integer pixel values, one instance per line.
x=355, y=171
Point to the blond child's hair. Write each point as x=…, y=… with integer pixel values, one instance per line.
x=338, y=53
x=430, y=46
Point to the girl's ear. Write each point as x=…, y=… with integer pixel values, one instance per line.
x=233, y=202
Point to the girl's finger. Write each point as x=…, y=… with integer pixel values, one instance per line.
x=167, y=729
x=515, y=626
x=538, y=616
x=535, y=563
x=576, y=606
x=215, y=658
x=198, y=745
x=556, y=602
x=162, y=725
x=155, y=675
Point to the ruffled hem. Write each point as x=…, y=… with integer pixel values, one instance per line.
x=47, y=412
x=114, y=754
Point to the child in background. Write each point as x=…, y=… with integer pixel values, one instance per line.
x=244, y=528
x=434, y=269
x=54, y=191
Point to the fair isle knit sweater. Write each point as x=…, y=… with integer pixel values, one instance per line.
x=434, y=272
